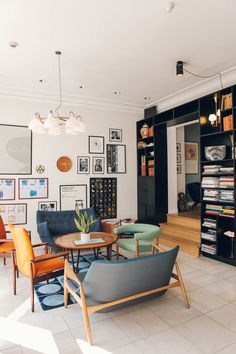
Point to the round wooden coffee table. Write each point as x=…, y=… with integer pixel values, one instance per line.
x=67, y=242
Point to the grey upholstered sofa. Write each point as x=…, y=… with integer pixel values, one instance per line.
x=109, y=285
x=51, y=224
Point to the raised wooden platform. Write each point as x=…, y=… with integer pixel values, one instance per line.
x=182, y=229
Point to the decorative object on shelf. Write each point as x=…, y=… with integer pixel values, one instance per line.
x=83, y=164
x=142, y=144
x=73, y=196
x=150, y=131
x=116, y=158
x=96, y=144
x=47, y=206
x=214, y=118
x=64, y=164
x=40, y=169
x=179, y=170
x=73, y=123
x=83, y=224
x=215, y=153
x=33, y=188
x=144, y=131
x=7, y=188
x=15, y=214
x=178, y=147
x=115, y=134
x=178, y=158
x=226, y=101
x=228, y=122
x=191, y=158
x=103, y=197
x=152, y=153
x=16, y=150
x=98, y=165
x=182, y=202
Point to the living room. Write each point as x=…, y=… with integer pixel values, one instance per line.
x=92, y=95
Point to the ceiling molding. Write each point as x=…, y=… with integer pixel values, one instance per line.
x=9, y=92
x=200, y=89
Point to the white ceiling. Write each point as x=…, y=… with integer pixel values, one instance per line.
x=126, y=45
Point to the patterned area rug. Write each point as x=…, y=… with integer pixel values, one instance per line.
x=51, y=295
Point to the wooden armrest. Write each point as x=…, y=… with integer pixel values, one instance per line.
x=61, y=254
x=69, y=274
x=3, y=240
x=40, y=244
x=158, y=247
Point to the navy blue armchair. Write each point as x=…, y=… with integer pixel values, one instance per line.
x=52, y=224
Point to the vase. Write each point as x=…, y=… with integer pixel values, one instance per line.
x=144, y=131
x=85, y=238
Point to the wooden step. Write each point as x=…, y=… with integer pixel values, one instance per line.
x=188, y=246
x=183, y=232
x=177, y=219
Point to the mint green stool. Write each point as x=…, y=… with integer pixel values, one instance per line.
x=144, y=235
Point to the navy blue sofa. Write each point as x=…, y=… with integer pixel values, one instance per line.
x=52, y=224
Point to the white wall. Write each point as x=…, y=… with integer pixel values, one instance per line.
x=47, y=149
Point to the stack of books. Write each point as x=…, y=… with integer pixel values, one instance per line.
x=226, y=182
x=209, y=235
x=213, y=209
x=226, y=196
x=211, y=195
x=150, y=167
x=211, y=169
x=228, y=122
x=210, y=182
x=143, y=165
x=228, y=211
x=226, y=169
x=209, y=223
x=208, y=248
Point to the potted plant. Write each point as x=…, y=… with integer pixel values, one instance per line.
x=83, y=223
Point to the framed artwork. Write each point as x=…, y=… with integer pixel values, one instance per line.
x=178, y=147
x=115, y=135
x=7, y=188
x=16, y=150
x=15, y=214
x=96, y=144
x=98, y=165
x=47, y=206
x=178, y=158
x=73, y=196
x=178, y=169
x=116, y=158
x=33, y=188
x=103, y=197
x=191, y=158
x=83, y=164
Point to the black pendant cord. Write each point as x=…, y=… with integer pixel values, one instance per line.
x=206, y=77
x=59, y=75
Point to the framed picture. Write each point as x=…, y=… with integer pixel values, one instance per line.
x=73, y=196
x=16, y=150
x=178, y=158
x=48, y=206
x=33, y=188
x=103, y=197
x=96, y=144
x=15, y=214
x=178, y=147
x=83, y=164
x=98, y=165
x=7, y=188
x=116, y=158
x=191, y=158
x=115, y=134
x=178, y=169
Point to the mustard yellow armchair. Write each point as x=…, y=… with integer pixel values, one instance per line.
x=36, y=268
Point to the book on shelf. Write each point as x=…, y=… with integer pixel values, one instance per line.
x=228, y=122
x=226, y=101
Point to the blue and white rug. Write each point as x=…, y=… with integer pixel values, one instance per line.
x=51, y=294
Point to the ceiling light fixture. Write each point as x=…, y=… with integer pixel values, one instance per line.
x=147, y=98
x=117, y=92
x=73, y=123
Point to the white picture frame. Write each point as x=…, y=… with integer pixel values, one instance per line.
x=98, y=165
x=73, y=196
x=115, y=135
x=33, y=188
x=83, y=164
x=7, y=188
x=96, y=144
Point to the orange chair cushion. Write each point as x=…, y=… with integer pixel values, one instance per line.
x=47, y=266
x=6, y=247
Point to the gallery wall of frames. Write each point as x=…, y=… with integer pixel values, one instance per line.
x=39, y=172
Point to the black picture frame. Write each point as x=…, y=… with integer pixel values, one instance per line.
x=178, y=147
x=74, y=195
x=48, y=204
x=100, y=169
x=79, y=160
x=103, y=196
x=116, y=159
x=115, y=135
x=32, y=188
x=20, y=145
x=179, y=171
x=96, y=144
x=178, y=158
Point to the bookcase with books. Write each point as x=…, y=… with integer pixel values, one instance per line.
x=218, y=153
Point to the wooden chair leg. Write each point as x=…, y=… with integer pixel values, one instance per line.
x=117, y=250
x=13, y=272
x=182, y=287
x=4, y=260
x=86, y=319
x=66, y=296
x=137, y=249
x=31, y=287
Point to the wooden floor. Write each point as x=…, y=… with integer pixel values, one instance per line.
x=183, y=229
